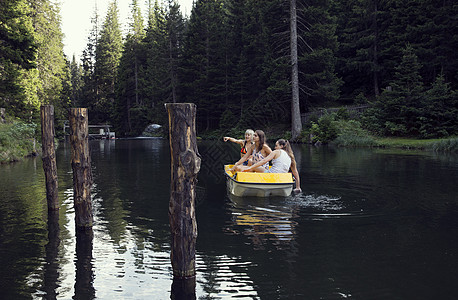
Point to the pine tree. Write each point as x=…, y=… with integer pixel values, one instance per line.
x=89, y=88
x=76, y=77
x=130, y=110
x=175, y=34
x=155, y=90
x=317, y=57
x=51, y=62
x=400, y=105
x=359, y=24
x=107, y=53
x=17, y=55
x=429, y=26
x=204, y=51
x=439, y=110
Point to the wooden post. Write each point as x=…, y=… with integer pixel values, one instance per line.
x=185, y=164
x=81, y=165
x=2, y=115
x=49, y=156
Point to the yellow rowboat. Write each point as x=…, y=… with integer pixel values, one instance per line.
x=258, y=184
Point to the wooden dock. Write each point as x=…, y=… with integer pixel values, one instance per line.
x=96, y=131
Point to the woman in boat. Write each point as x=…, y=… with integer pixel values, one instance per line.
x=259, y=150
x=246, y=144
x=282, y=160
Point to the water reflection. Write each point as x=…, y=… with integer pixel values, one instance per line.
x=263, y=219
x=183, y=289
x=367, y=220
x=223, y=276
x=84, y=278
x=51, y=268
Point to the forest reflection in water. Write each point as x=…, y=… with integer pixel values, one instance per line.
x=366, y=220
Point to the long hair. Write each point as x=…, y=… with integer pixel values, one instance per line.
x=262, y=139
x=284, y=144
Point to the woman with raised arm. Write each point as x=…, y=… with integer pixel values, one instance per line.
x=246, y=143
x=259, y=150
x=282, y=160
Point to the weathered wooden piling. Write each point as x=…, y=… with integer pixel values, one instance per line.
x=49, y=156
x=81, y=165
x=185, y=164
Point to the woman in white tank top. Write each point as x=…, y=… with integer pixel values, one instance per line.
x=282, y=160
x=282, y=163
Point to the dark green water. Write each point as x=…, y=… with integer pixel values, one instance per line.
x=370, y=224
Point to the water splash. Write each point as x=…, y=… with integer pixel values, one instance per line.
x=323, y=203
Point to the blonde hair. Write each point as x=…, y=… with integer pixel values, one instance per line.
x=251, y=133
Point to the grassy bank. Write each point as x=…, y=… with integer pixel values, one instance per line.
x=405, y=143
x=17, y=140
x=440, y=145
x=347, y=134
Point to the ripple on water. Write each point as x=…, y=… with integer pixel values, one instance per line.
x=335, y=206
x=222, y=277
x=319, y=203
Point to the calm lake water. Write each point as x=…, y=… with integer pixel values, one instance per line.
x=370, y=224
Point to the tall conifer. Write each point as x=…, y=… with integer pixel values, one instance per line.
x=108, y=53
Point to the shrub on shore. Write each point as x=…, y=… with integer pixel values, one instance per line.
x=17, y=140
x=446, y=145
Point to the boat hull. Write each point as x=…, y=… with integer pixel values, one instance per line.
x=258, y=184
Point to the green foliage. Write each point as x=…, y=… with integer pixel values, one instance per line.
x=339, y=130
x=399, y=106
x=17, y=140
x=231, y=58
x=51, y=63
x=228, y=119
x=361, y=99
x=405, y=143
x=372, y=35
x=317, y=60
x=18, y=50
x=447, y=145
x=351, y=134
x=139, y=120
x=108, y=52
x=130, y=112
x=77, y=83
x=439, y=117
x=325, y=130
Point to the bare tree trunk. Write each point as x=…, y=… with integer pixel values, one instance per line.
x=296, y=124
x=172, y=72
x=49, y=156
x=375, y=57
x=136, y=83
x=185, y=165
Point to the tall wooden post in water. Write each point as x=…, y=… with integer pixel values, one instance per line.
x=49, y=156
x=81, y=165
x=185, y=164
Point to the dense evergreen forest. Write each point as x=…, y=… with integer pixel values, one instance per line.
x=233, y=59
